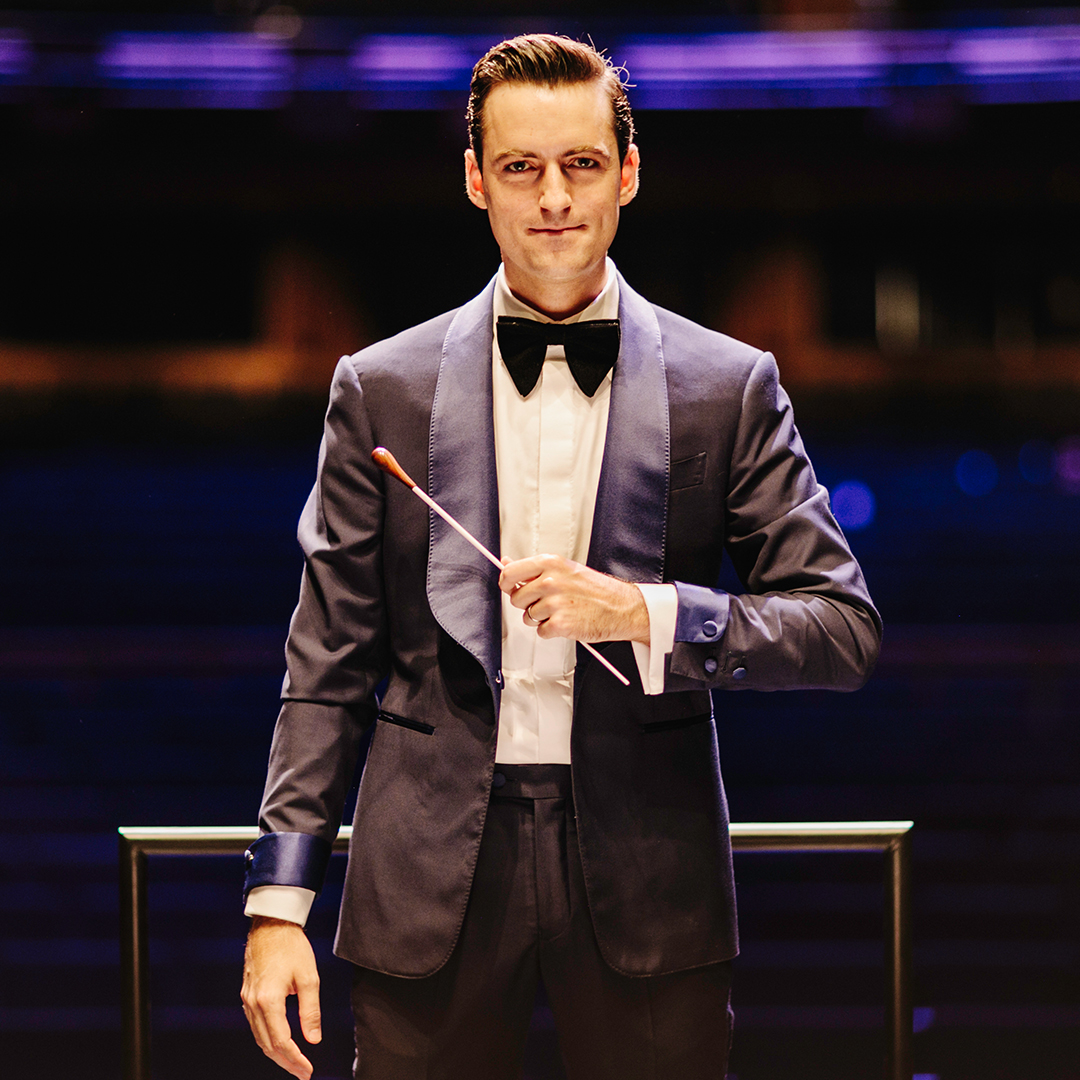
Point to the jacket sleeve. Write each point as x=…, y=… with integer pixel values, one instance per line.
x=337, y=653
x=806, y=620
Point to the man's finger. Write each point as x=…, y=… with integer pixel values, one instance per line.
x=291, y=1060
x=307, y=997
x=287, y=1054
x=521, y=571
x=511, y=581
x=277, y=1042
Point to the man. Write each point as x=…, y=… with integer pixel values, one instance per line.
x=522, y=815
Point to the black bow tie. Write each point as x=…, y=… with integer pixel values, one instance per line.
x=592, y=348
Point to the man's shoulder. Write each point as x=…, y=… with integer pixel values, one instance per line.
x=685, y=339
x=700, y=362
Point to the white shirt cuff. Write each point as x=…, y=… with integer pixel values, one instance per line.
x=288, y=902
x=662, y=602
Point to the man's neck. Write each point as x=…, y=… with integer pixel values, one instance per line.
x=557, y=300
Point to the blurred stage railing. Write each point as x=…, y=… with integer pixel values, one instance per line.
x=890, y=837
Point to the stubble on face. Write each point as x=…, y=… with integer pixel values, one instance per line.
x=552, y=185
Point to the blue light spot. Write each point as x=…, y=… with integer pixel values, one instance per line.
x=976, y=473
x=1037, y=462
x=922, y=1018
x=853, y=504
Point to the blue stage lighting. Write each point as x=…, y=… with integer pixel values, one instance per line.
x=976, y=473
x=853, y=504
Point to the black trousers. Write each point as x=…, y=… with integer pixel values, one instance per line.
x=528, y=920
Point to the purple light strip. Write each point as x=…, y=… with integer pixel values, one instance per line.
x=849, y=68
x=984, y=54
x=16, y=56
x=839, y=58
x=420, y=59
x=193, y=56
x=756, y=57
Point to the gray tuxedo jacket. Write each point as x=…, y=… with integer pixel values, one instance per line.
x=701, y=456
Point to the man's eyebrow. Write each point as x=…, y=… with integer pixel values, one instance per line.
x=513, y=153
x=598, y=150
x=572, y=152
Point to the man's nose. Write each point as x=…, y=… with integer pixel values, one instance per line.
x=554, y=190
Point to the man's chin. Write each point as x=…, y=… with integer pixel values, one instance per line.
x=563, y=266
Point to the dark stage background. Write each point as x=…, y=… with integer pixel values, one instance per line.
x=190, y=243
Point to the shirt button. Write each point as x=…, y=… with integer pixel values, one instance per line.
x=711, y=665
x=498, y=780
x=739, y=673
x=710, y=629
x=498, y=678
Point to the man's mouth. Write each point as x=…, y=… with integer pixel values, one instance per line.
x=548, y=231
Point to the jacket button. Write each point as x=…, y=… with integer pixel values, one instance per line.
x=739, y=673
x=709, y=628
x=497, y=780
x=711, y=665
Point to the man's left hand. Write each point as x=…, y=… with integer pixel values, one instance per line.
x=562, y=598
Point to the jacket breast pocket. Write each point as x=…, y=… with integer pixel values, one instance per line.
x=689, y=472
x=405, y=722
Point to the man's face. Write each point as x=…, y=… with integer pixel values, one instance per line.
x=552, y=185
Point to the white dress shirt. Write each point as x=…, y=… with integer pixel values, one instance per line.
x=549, y=447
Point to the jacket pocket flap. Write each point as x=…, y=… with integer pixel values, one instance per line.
x=405, y=722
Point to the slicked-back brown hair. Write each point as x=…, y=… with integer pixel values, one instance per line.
x=546, y=60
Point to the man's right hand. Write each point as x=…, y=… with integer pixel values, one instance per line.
x=278, y=961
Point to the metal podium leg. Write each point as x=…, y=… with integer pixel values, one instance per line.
x=134, y=963
x=898, y=960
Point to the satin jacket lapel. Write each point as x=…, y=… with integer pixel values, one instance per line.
x=462, y=586
x=629, y=525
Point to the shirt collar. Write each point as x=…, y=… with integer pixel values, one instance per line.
x=605, y=306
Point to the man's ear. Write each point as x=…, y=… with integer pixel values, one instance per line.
x=628, y=180
x=474, y=181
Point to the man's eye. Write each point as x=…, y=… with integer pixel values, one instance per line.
x=518, y=166
x=585, y=163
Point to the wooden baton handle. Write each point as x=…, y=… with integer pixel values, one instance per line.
x=388, y=463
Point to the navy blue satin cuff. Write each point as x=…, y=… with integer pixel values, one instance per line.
x=703, y=614
x=287, y=858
